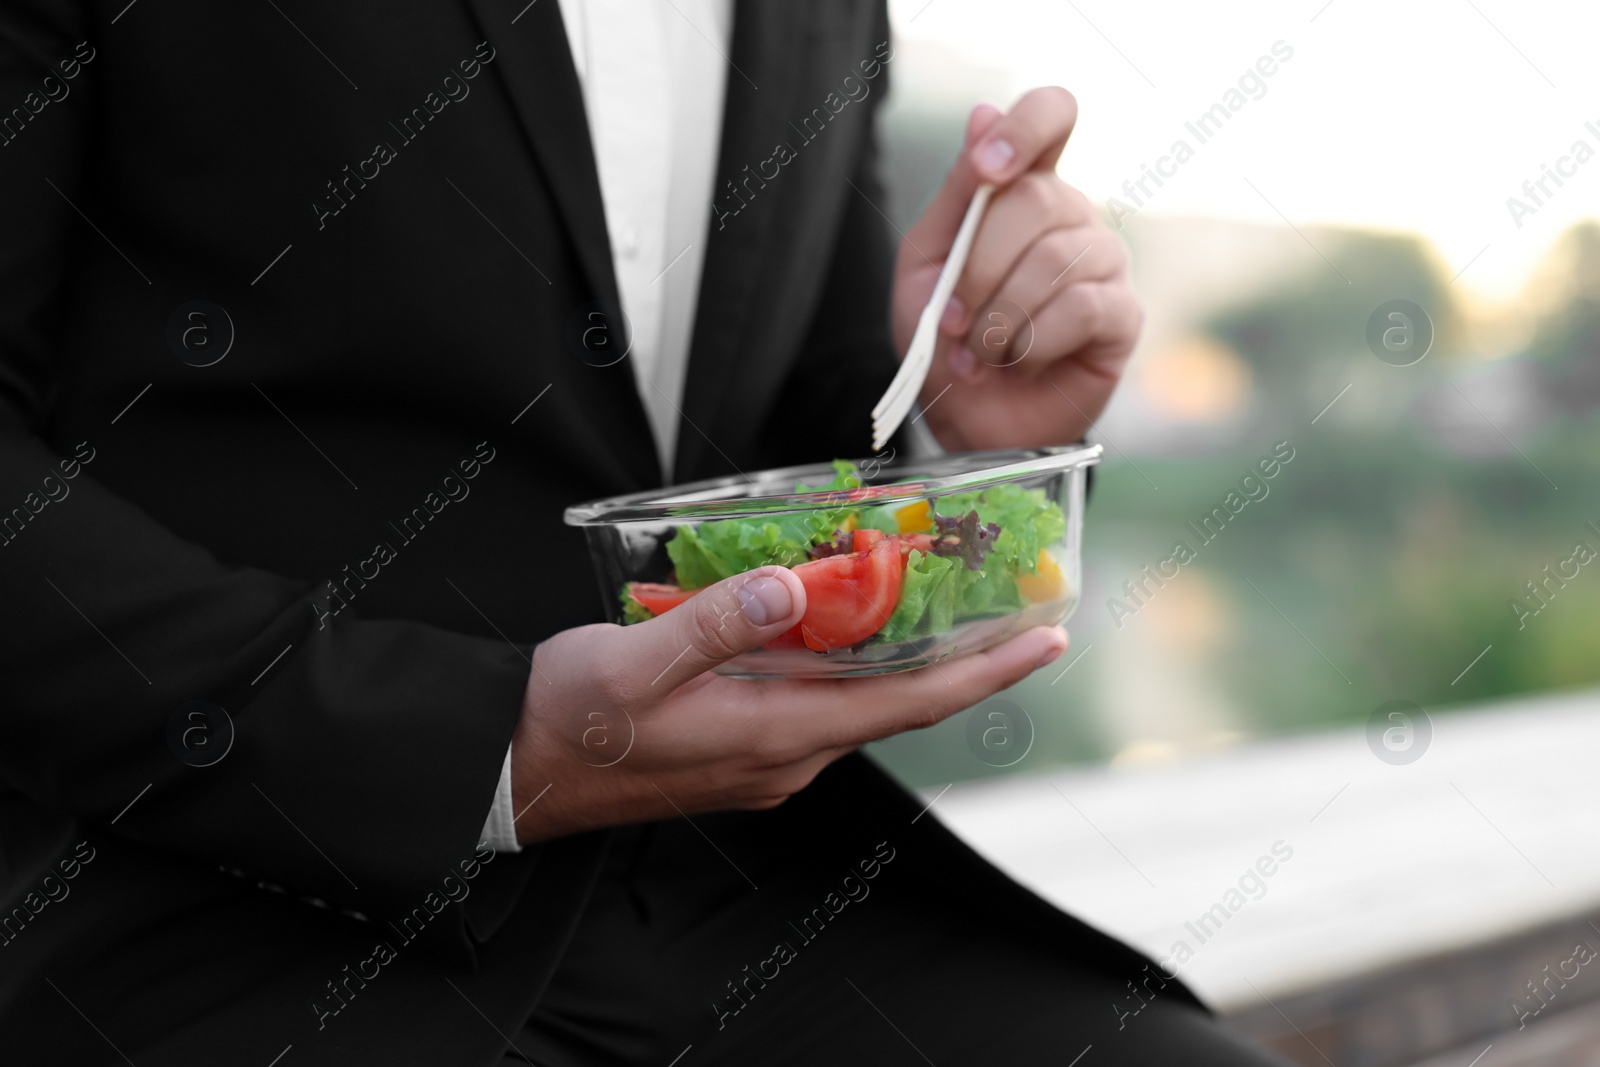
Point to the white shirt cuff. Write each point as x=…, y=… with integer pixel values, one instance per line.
x=500, y=828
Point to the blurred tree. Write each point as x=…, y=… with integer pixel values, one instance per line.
x=1318, y=314
x=1566, y=291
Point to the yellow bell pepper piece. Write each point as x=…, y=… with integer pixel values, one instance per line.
x=1047, y=583
x=914, y=518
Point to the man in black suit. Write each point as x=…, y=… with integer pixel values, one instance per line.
x=294, y=386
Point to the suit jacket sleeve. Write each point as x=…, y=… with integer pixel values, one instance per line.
x=363, y=760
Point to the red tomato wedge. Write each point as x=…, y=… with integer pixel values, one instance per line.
x=790, y=638
x=848, y=598
x=658, y=597
x=861, y=540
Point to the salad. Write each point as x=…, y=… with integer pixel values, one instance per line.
x=877, y=573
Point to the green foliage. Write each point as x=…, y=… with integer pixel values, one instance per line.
x=1386, y=556
x=1310, y=318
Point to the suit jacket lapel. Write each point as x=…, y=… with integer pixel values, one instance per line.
x=534, y=60
x=768, y=58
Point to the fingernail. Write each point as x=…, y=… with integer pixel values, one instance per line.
x=963, y=362
x=1050, y=656
x=994, y=156
x=765, y=600
x=955, y=313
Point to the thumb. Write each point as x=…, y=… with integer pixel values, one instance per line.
x=935, y=231
x=713, y=626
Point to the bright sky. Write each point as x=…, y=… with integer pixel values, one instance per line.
x=1420, y=115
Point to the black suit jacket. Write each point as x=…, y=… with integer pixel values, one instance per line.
x=397, y=211
x=378, y=228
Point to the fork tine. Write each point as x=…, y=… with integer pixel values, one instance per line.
x=885, y=426
x=924, y=335
x=892, y=408
x=914, y=368
x=896, y=387
x=909, y=377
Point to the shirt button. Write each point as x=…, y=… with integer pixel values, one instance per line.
x=628, y=242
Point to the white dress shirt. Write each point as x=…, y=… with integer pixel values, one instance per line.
x=653, y=86
x=653, y=78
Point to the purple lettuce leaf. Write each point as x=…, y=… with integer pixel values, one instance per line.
x=840, y=545
x=964, y=538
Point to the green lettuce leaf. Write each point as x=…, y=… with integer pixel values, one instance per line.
x=722, y=548
x=713, y=551
x=991, y=591
x=927, y=598
x=845, y=476
x=1028, y=519
x=632, y=610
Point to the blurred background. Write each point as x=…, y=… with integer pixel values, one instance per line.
x=1374, y=164
x=1440, y=898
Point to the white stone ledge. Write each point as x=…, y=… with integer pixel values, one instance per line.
x=1492, y=831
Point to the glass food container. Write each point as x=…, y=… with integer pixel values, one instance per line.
x=905, y=563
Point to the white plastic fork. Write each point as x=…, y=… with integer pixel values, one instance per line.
x=895, y=404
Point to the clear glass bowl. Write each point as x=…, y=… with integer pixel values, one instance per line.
x=1038, y=493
